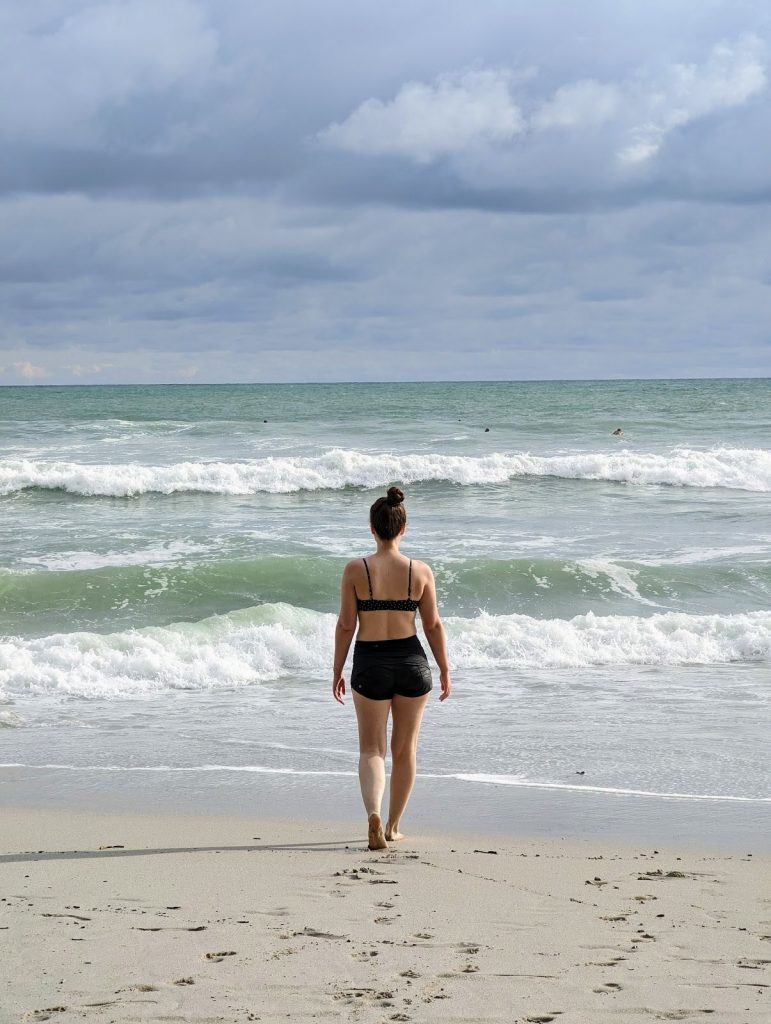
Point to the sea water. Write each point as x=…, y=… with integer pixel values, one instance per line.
x=170, y=560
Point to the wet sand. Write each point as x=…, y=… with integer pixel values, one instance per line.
x=122, y=918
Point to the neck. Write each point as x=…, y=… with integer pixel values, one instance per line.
x=384, y=546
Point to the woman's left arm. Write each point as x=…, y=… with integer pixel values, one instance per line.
x=346, y=627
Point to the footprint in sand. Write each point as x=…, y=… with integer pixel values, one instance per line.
x=422, y=935
x=680, y=1014
x=316, y=934
x=282, y=952
x=409, y=974
x=45, y=1013
x=752, y=963
x=431, y=994
x=184, y=981
x=366, y=995
x=216, y=957
x=607, y=987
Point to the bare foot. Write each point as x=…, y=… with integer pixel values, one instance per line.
x=393, y=835
x=377, y=840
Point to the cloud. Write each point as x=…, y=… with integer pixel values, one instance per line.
x=426, y=122
x=579, y=104
x=87, y=369
x=29, y=371
x=192, y=98
x=657, y=288
x=731, y=75
x=497, y=133
x=67, y=73
x=162, y=207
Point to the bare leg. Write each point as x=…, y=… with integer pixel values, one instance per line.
x=407, y=715
x=372, y=718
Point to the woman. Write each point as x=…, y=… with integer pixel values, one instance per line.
x=390, y=669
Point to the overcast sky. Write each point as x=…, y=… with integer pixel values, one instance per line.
x=226, y=190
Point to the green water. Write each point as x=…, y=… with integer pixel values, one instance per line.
x=166, y=546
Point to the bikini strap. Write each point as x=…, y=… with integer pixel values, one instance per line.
x=409, y=582
x=369, y=578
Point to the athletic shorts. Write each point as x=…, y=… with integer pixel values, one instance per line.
x=383, y=669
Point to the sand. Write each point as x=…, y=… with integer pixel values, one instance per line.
x=112, y=917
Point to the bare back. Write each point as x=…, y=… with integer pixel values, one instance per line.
x=387, y=578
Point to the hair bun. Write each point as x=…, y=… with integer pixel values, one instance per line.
x=395, y=496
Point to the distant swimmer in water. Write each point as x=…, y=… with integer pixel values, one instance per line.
x=618, y=432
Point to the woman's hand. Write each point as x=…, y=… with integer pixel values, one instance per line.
x=338, y=689
x=446, y=684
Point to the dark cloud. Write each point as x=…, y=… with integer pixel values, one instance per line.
x=507, y=106
x=483, y=190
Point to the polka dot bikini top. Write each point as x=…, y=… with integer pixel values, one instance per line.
x=374, y=605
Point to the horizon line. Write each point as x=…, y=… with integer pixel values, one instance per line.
x=374, y=383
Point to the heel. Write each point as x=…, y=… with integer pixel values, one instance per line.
x=376, y=837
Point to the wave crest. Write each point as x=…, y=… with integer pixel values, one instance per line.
x=256, y=645
x=741, y=468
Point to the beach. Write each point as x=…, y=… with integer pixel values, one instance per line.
x=193, y=918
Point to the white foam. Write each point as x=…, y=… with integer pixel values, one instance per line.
x=671, y=638
x=157, y=554
x=256, y=645
x=514, y=780
x=621, y=579
x=8, y=720
x=743, y=468
x=497, y=780
x=222, y=652
x=697, y=555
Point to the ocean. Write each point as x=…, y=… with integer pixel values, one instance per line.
x=169, y=570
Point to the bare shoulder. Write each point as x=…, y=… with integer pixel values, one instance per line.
x=421, y=571
x=352, y=567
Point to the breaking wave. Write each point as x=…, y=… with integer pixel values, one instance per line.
x=256, y=645
x=741, y=468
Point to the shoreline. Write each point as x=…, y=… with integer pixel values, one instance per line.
x=130, y=917
x=509, y=812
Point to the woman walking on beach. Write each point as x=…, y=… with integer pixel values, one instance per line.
x=390, y=669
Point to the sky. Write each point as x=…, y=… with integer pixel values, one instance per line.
x=206, y=191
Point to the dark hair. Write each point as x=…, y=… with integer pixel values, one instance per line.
x=387, y=515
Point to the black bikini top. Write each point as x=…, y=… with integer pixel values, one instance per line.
x=374, y=605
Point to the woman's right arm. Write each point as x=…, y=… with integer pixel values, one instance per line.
x=434, y=630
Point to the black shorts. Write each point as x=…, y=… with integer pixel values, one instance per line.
x=383, y=669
